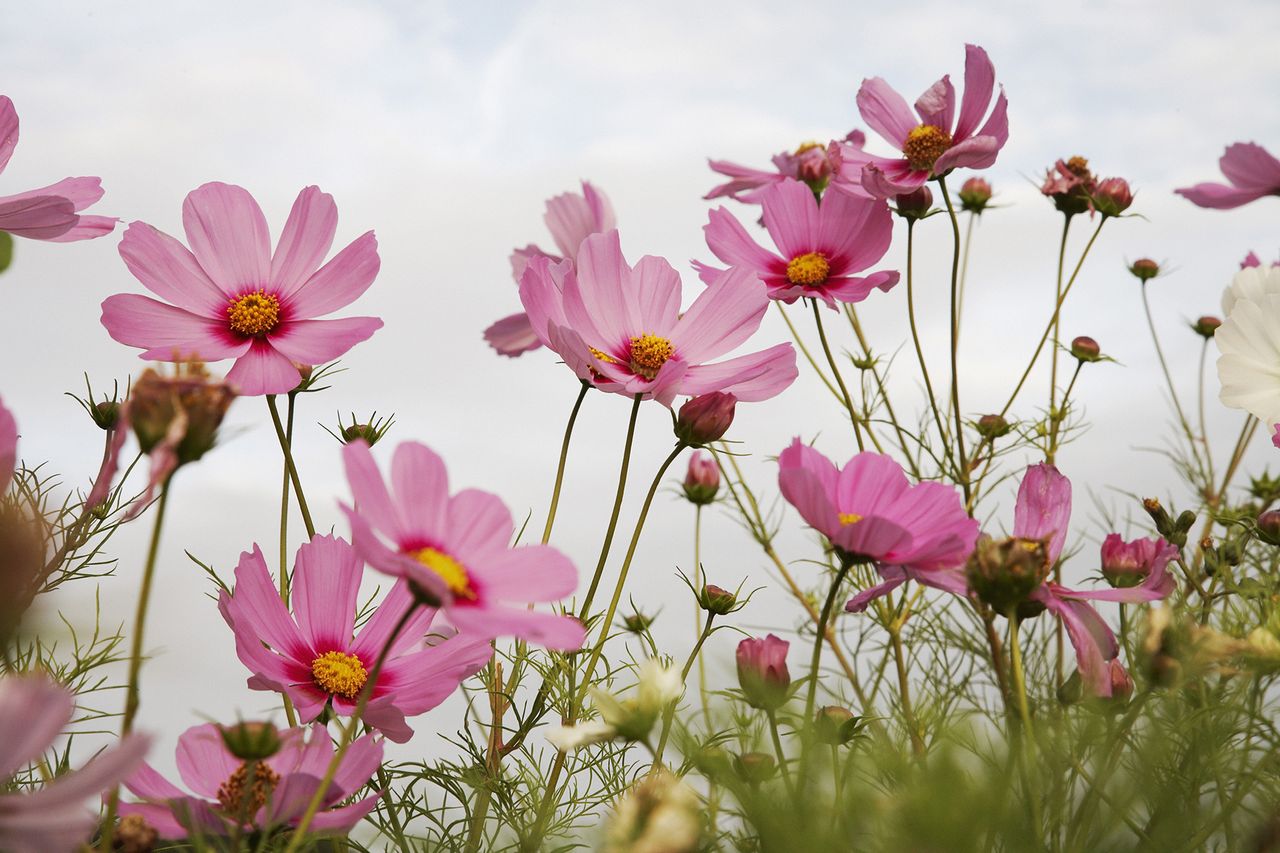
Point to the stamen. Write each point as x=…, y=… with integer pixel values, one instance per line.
x=649, y=353
x=453, y=573
x=239, y=799
x=808, y=270
x=924, y=145
x=339, y=674
x=254, y=314
x=849, y=518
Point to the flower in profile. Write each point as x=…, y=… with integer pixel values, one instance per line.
x=936, y=139
x=55, y=818
x=870, y=512
x=631, y=716
x=762, y=672
x=702, y=480
x=812, y=163
x=1112, y=196
x=454, y=550
x=621, y=327
x=314, y=656
x=230, y=296
x=570, y=218
x=1252, y=172
x=49, y=213
x=1128, y=564
x=819, y=248
x=233, y=795
x=1249, y=347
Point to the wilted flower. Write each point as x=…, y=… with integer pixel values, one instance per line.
x=1112, y=196
x=812, y=162
x=229, y=296
x=1003, y=573
x=659, y=814
x=975, y=195
x=762, y=672
x=1069, y=184
x=1252, y=172
x=702, y=480
x=993, y=426
x=702, y=420
x=1127, y=564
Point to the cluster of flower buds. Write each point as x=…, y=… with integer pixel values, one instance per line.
x=762, y=672
x=705, y=418
x=1004, y=572
x=1174, y=530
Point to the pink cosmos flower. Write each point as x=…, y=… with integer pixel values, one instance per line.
x=1252, y=261
x=456, y=548
x=56, y=818
x=940, y=140
x=8, y=447
x=312, y=656
x=1128, y=564
x=570, y=218
x=230, y=296
x=870, y=512
x=621, y=327
x=49, y=213
x=762, y=671
x=271, y=794
x=1252, y=172
x=813, y=163
x=819, y=247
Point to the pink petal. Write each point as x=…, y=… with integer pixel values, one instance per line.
x=314, y=342
x=529, y=573
x=263, y=370
x=170, y=271
x=571, y=218
x=81, y=192
x=420, y=482
x=596, y=299
x=369, y=490
x=376, y=632
x=979, y=83
x=339, y=282
x=343, y=819
x=8, y=461
x=976, y=153
x=104, y=771
x=894, y=577
x=872, y=537
x=37, y=217
x=729, y=241
x=255, y=604
x=750, y=378
x=326, y=581
x=656, y=289
x=1219, y=196
x=722, y=318
x=8, y=130
x=885, y=111
x=158, y=817
x=87, y=228
x=203, y=760
x=477, y=525
x=869, y=482
x=1043, y=507
x=512, y=336
x=168, y=333
x=542, y=294
x=33, y=711
x=228, y=235
x=791, y=217
x=520, y=259
x=886, y=178
x=855, y=289
x=807, y=480
x=937, y=106
x=430, y=676
x=1250, y=166
x=551, y=630
x=307, y=236
x=853, y=232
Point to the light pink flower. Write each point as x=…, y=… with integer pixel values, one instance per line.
x=570, y=218
x=312, y=657
x=940, y=140
x=49, y=213
x=230, y=296
x=8, y=447
x=1252, y=172
x=871, y=512
x=813, y=163
x=457, y=548
x=33, y=712
x=621, y=327
x=819, y=246
x=282, y=788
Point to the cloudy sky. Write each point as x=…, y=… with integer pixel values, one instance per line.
x=444, y=126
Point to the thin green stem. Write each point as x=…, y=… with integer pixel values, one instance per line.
x=286, y=449
x=856, y=325
x=613, y=516
x=1204, y=430
x=1056, y=417
x=669, y=713
x=1024, y=713
x=904, y=690
x=782, y=755
x=962, y=464
x=289, y=712
x=1168, y=378
x=564, y=455
x=964, y=271
x=915, y=340
x=835, y=371
x=697, y=613
x=795, y=336
x=1057, y=317
x=824, y=619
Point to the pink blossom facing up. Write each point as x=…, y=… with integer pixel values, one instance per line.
x=455, y=549
x=620, y=327
x=812, y=163
x=570, y=218
x=762, y=671
x=56, y=818
x=8, y=447
x=938, y=138
x=1251, y=171
x=314, y=656
x=49, y=213
x=224, y=797
x=231, y=296
x=819, y=248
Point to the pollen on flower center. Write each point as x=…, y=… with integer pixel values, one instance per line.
x=849, y=518
x=254, y=314
x=239, y=798
x=450, y=571
x=808, y=270
x=339, y=673
x=807, y=146
x=924, y=145
x=603, y=356
x=649, y=353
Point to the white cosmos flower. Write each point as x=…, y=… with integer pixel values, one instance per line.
x=631, y=716
x=569, y=738
x=1249, y=364
x=1251, y=283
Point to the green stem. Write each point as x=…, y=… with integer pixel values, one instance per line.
x=962, y=465
x=289, y=712
x=564, y=455
x=835, y=371
x=852, y=314
x=701, y=583
x=613, y=516
x=823, y=619
x=795, y=336
x=915, y=340
x=286, y=449
x=904, y=690
x=1204, y=431
x=1057, y=317
x=1024, y=713
x=669, y=713
x=782, y=755
x=964, y=270
x=1168, y=378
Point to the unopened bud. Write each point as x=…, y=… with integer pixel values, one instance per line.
x=702, y=480
x=1144, y=269
x=1269, y=527
x=992, y=427
x=835, y=725
x=762, y=672
x=1112, y=196
x=360, y=432
x=251, y=741
x=914, y=205
x=1086, y=349
x=975, y=195
x=105, y=414
x=717, y=600
x=637, y=623
x=755, y=767
x=1206, y=326
x=705, y=418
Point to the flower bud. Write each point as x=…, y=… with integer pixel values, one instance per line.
x=183, y=411
x=762, y=672
x=717, y=600
x=1112, y=196
x=975, y=195
x=1069, y=184
x=1127, y=564
x=1164, y=524
x=637, y=623
x=755, y=767
x=992, y=427
x=360, y=432
x=705, y=418
x=1003, y=573
x=1144, y=269
x=370, y=432
x=914, y=205
x=251, y=741
x=1086, y=349
x=1121, y=683
x=134, y=835
x=702, y=481
x=1269, y=527
x=105, y=414
x=835, y=725
x=1206, y=326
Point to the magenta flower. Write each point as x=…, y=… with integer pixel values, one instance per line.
x=762, y=672
x=871, y=513
x=1128, y=564
x=1251, y=171
x=312, y=656
x=56, y=818
x=8, y=447
x=621, y=327
x=570, y=218
x=456, y=548
x=939, y=140
x=270, y=794
x=231, y=297
x=49, y=213
x=819, y=247
x=813, y=163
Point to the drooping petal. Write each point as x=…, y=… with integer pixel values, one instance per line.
x=262, y=369
x=33, y=710
x=1219, y=196
x=976, y=153
x=37, y=217
x=86, y=228
x=166, y=333
x=306, y=239
x=893, y=576
x=750, y=378
x=228, y=235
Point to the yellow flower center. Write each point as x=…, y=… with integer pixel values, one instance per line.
x=924, y=145
x=254, y=314
x=450, y=571
x=807, y=146
x=339, y=673
x=808, y=270
x=603, y=356
x=649, y=353
x=240, y=799
x=849, y=518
